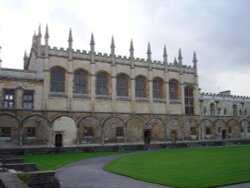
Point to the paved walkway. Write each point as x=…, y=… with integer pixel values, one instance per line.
x=88, y=173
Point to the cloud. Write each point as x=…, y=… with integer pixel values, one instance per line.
x=218, y=30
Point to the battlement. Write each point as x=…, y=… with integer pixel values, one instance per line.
x=223, y=96
x=46, y=51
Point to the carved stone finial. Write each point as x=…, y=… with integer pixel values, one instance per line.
x=195, y=58
x=180, y=55
x=70, y=36
x=92, y=40
x=149, y=53
x=112, y=46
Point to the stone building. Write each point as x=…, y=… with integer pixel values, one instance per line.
x=68, y=97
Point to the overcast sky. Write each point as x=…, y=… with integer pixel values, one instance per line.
x=218, y=30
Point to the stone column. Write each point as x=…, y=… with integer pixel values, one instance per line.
x=46, y=84
x=69, y=86
x=150, y=92
x=19, y=98
x=92, y=86
x=132, y=79
x=113, y=87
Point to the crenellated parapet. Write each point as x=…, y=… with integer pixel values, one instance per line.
x=45, y=51
x=224, y=97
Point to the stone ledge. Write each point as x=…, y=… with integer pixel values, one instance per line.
x=9, y=180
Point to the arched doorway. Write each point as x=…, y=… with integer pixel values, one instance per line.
x=58, y=140
x=147, y=136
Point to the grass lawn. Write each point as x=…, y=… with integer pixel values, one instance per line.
x=189, y=168
x=56, y=160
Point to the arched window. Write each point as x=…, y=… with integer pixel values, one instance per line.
x=189, y=100
x=173, y=90
x=80, y=82
x=57, y=80
x=102, y=84
x=122, y=85
x=140, y=87
x=157, y=88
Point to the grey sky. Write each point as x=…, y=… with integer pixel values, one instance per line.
x=218, y=30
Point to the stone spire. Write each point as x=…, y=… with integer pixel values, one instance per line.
x=92, y=43
x=38, y=41
x=195, y=62
x=149, y=53
x=131, y=49
x=0, y=56
x=92, y=48
x=195, y=58
x=112, y=46
x=149, y=58
x=165, y=56
x=180, y=56
x=46, y=37
x=131, y=54
x=180, y=60
x=70, y=45
x=25, y=60
x=39, y=35
x=175, y=61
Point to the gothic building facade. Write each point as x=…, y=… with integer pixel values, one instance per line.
x=68, y=97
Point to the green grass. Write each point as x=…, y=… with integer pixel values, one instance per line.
x=54, y=161
x=200, y=167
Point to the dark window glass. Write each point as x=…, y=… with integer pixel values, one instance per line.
x=189, y=100
x=57, y=80
x=5, y=132
x=157, y=88
x=122, y=86
x=140, y=87
x=8, y=99
x=193, y=131
x=80, y=82
x=102, y=85
x=31, y=132
x=88, y=131
x=235, y=110
x=173, y=90
x=28, y=100
x=225, y=111
x=208, y=131
x=212, y=109
x=119, y=131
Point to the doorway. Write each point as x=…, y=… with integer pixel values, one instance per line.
x=58, y=140
x=224, y=134
x=147, y=136
x=173, y=136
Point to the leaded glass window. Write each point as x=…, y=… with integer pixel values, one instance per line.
x=173, y=90
x=8, y=101
x=189, y=101
x=122, y=86
x=157, y=88
x=5, y=132
x=80, y=82
x=140, y=88
x=28, y=100
x=57, y=80
x=102, y=84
